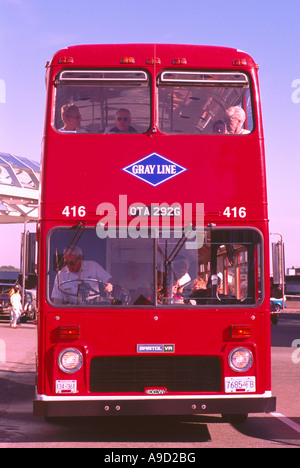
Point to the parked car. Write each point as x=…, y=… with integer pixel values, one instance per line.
x=29, y=312
x=30, y=305
x=276, y=307
x=4, y=300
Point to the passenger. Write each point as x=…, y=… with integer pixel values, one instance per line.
x=168, y=291
x=212, y=288
x=123, y=121
x=219, y=127
x=235, y=118
x=78, y=272
x=199, y=290
x=177, y=290
x=71, y=118
x=135, y=282
x=199, y=283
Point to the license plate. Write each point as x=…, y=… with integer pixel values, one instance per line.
x=240, y=384
x=66, y=386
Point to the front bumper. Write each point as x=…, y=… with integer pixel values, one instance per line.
x=92, y=406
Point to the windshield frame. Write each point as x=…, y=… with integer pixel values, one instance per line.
x=156, y=305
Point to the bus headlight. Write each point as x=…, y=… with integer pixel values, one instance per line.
x=70, y=360
x=240, y=359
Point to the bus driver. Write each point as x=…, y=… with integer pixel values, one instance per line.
x=79, y=277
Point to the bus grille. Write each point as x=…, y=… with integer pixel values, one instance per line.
x=112, y=374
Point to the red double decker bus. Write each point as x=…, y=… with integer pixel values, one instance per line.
x=153, y=235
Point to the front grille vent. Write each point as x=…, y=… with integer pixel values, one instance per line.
x=113, y=374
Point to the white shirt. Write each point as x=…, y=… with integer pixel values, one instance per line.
x=16, y=303
x=68, y=292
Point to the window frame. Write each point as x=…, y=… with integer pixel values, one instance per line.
x=187, y=81
x=60, y=81
x=258, y=275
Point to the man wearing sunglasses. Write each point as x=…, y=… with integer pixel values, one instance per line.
x=123, y=121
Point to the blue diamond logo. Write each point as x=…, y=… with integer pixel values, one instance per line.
x=154, y=169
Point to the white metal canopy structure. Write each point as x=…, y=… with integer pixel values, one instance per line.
x=19, y=189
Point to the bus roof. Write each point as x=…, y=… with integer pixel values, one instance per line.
x=194, y=55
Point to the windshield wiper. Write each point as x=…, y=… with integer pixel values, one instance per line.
x=79, y=228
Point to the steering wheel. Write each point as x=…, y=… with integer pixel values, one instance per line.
x=88, y=294
x=85, y=292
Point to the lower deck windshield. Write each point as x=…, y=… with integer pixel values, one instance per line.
x=154, y=271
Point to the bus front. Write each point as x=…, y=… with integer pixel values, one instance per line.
x=153, y=236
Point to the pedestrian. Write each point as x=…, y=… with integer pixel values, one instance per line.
x=15, y=300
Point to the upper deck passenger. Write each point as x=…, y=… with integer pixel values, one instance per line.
x=71, y=118
x=123, y=121
x=235, y=118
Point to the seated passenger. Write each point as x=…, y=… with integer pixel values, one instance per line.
x=199, y=283
x=235, y=118
x=71, y=118
x=123, y=121
x=199, y=290
x=135, y=281
x=177, y=290
x=219, y=127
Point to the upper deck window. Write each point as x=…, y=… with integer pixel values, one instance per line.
x=204, y=103
x=102, y=101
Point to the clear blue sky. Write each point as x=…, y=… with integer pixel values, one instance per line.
x=32, y=30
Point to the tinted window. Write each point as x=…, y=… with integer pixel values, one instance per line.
x=204, y=103
x=102, y=102
x=154, y=270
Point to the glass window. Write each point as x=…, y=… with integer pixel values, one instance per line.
x=225, y=270
x=154, y=270
x=204, y=103
x=98, y=101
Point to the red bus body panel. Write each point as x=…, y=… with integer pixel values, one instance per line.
x=221, y=172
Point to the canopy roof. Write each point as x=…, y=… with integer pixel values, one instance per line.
x=19, y=189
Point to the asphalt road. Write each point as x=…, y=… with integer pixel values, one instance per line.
x=19, y=428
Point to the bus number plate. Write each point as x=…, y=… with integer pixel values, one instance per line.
x=66, y=386
x=240, y=384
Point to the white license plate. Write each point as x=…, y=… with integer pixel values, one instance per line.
x=240, y=384
x=66, y=386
